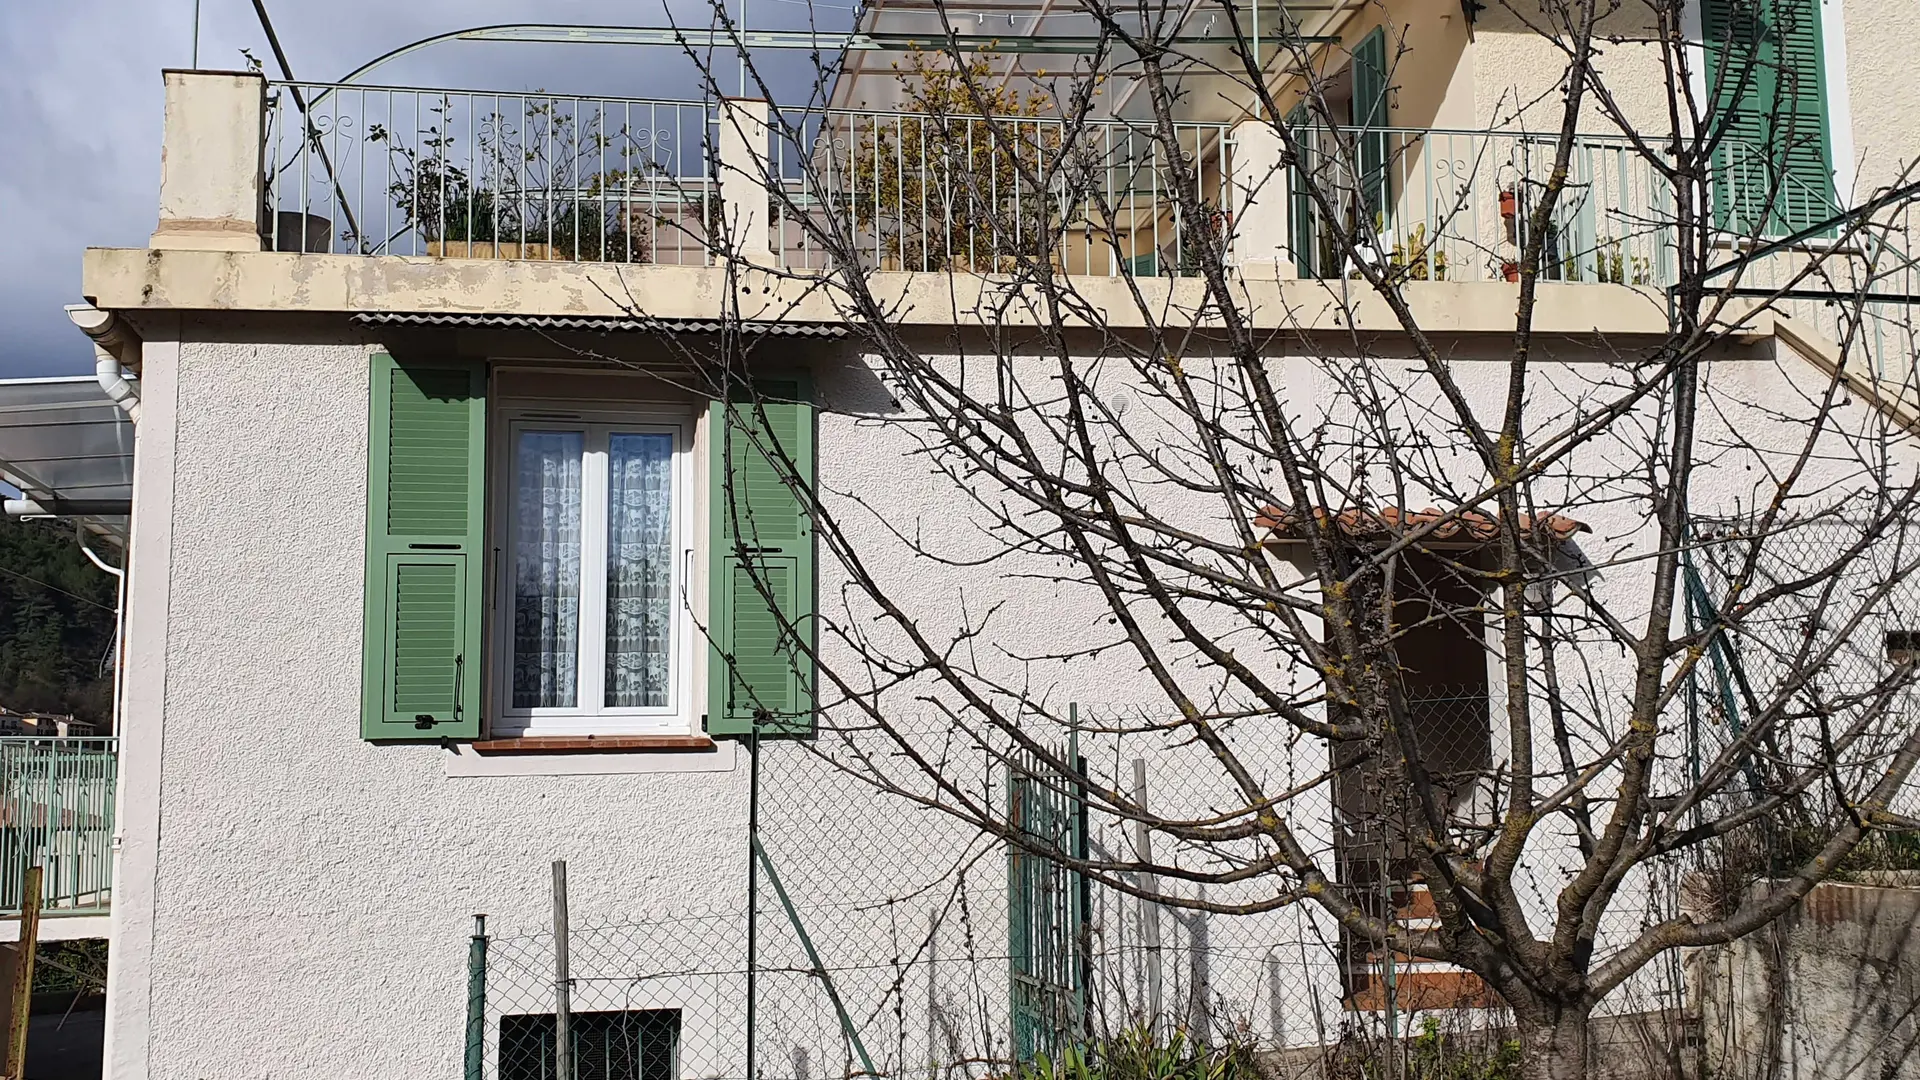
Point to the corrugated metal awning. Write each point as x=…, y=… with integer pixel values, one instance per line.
x=598, y=324
x=66, y=446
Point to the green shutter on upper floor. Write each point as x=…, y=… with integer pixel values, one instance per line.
x=1304, y=237
x=1766, y=75
x=425, y=602
x=1804, y=137
x=1313, y=254
x=1369, y=117
x=763, y=546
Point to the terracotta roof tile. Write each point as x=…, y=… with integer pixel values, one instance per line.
x=1386, y=522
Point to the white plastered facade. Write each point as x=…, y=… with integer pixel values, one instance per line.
x=294, y=901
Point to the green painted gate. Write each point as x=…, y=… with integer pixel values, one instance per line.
x=1049, y=936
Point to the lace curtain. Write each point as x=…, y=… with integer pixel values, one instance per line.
x=546, y=573
x=639, y=569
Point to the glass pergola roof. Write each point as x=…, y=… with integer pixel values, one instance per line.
x=1039, y=42
x=64, y=445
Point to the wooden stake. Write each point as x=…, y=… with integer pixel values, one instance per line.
x=562, y=978
x=1149, y=911
x=22, y=990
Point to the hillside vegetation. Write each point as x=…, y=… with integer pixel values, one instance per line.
x=56, y=622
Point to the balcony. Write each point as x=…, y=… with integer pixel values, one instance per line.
x=941, y=210
x=353, y=170
x=57, y=813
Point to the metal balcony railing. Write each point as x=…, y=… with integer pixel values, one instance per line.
x=56, y=812
x=1458, y=205
x=1855, y=291
x=474, y=174
x=969, y=193
x=377, y=170
x=981, y=194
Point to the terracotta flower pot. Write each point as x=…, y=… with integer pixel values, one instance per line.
x=1510, y=270
x=1509, y=204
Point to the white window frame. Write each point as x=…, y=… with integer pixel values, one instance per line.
x=590, y=715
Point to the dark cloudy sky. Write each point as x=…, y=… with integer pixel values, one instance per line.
x=80, y=106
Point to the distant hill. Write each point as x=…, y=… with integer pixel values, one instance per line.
x=56, y=622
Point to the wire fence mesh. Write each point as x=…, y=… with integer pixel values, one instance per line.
x=890, y=942
x=883, y=935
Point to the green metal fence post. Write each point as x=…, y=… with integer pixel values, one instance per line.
x=813, y=957
x=477, y=1000
x=1083, y=886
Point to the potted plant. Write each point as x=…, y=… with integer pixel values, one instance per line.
x=1420, y=258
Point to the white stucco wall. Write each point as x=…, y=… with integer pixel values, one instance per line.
x=310, y=893
x=295, y=901
x=312, y=889
x=1519, y=74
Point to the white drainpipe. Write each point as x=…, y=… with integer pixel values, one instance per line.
x=115, y=349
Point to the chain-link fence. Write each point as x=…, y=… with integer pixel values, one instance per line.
x=884, y=932
x=1839, y=625
x=645, y=1001
x=887, y=940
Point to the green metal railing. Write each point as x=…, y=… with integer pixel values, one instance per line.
x=57, y=814
x=1047, y=904
x=965, y=193
x=1854, y=287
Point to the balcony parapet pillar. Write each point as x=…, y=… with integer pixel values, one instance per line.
x=743, y=181
x=1260, y=243
x=210, y=173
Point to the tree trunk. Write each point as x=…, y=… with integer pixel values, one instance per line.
x=1553, y=1043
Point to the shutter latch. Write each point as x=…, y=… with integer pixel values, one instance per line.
x=423, y=721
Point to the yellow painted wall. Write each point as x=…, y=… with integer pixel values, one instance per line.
x=1883, y=90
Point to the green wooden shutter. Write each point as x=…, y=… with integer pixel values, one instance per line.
x=762, y=538
x=425, y=581
x=1369, y=116
x=1732, y=30
x=1773, y=168
x=1304, y=237
x=1801, y=139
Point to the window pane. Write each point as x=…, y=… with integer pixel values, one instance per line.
x=639, y=569
x=546, y=571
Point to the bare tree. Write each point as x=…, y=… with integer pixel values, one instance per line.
x=1479, y=587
